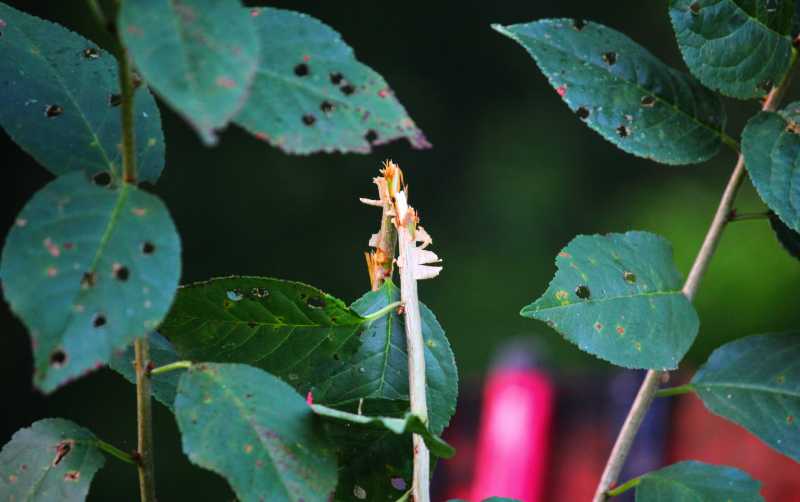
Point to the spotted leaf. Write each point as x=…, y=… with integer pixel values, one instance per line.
x=618, y=296
x=60, y=101
x=287, y=328
x=256, y=431
x=53, y=459
x=755, y=382
x=311, y=94
x=740, y=48
x=199, y=55
x=771, y=148
x=623, y=92
x=88, y=269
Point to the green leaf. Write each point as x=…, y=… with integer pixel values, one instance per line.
x=789, y=239
x=88, y=269
x=618, y=296
x=311, y=94
x=623, y=92
x=200, y=56
x=256, y=431
x=740, y=48
x=162, y=352
x=755, y=382
x=58, y=101
x=771, y=148
x=53, y=459
x=287, y=328
x=693, y=481
x=409, y=424
x=378, y=371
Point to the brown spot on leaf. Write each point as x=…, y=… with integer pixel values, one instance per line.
x=58, y=358
x=629, y=277
x=583, y=292
x=648, y=101
x=120, y=272
x=578, y=24
x=620, y=330
x=336, y=78
x=102, y=179
x=99, y=320
x=598, y=327
x=115, y=100
x=51, y=247
x=326, y=107
x=582, y=113
x=694, y=8
x=62, y=450
x=309, y=119
x=348, y=89
x=623, y=131
x=72, y=476
x=371, y=136
x=225, y=82
x=88, y=280
x=51, y=111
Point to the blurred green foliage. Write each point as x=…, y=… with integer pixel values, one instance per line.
x=512, y=177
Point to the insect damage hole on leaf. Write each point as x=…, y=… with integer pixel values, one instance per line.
x=302, y=70
x=58, y=358
x=51, y=111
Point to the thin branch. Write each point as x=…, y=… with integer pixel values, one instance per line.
x=128, y=140
x=737, y=216
x=144, y=421
x=649, y=387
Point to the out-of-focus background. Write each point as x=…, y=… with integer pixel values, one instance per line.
x=512, y=177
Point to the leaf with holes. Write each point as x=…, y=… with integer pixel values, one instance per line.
x=379, y=455
x=200, y=56
x=408, y=425
x=623, y=92
x=287, y=328
x=789, y=239
x=378, y=371
x=53, y=459
x=256, y=431
x=693, y=481
x=88, y=269
x=755, y=382
x=311, y=94
x=60, y=100
x=740, y=48
x=771, y=148
x=618, y=296
x=162, y=353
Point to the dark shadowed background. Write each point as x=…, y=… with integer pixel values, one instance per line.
x=512, y=177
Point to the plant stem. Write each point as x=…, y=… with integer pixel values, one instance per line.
x=177, y=365
x=128, y=140
x=631, y=483
x=144, y=419
x=649, y=387
x=115, y=452
x=420, y=488
x=675, y=391
x=382, y=312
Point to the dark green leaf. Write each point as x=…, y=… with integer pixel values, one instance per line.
x=771, y=148
x=57, y=101
x=789, y=239
x=740, y=48
x=378, y=371
x=162, y=352
x=697, y=482
x=200, y=56
x=53, y=459
x=256, y=431
x=287, y=328
x=618, y=296
x=623, y=92
x=409, y=424
x=311, y=94
x=88, y=269
x=755, y=382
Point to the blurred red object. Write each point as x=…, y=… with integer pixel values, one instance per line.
x=514, y=436
x=700, y=435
